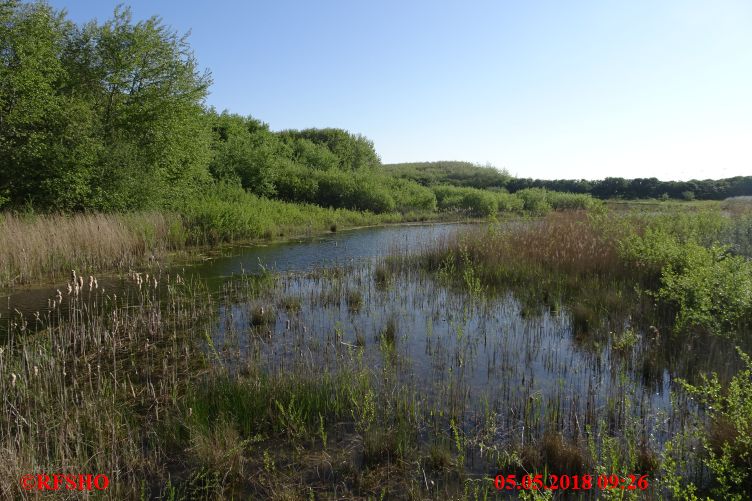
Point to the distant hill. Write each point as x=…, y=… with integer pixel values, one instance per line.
x=450, y=172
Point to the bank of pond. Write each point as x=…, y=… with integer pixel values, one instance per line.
x=401, y=362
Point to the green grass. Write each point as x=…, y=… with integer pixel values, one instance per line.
x=39, y=247
x=142, y=387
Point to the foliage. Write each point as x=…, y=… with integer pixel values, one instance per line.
x=111, y=117
x=473, y=201
x=535, y=200
x=409, y=196
x=450, y=172
x=352, y=151
x=679, y=260
x=711, y=289
x=540, y=201
x=727, y=442
x=227, y=212
x=682, y=257
x=472, y=175
x=645, y=188
x=509, y=202
x=99, y=116
x=245, y=150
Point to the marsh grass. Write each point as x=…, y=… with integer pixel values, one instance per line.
x=262, y=316
x=291, y=303
x=43, y=246
x=170, y=391
x=35, y=247
x=556, y=454
x=135, y=387
x=354, y=300
x=620, y=272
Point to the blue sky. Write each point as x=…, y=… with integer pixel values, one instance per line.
x=549, y=89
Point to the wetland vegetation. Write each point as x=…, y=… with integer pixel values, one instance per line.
x=598, y=342
x=558, y=334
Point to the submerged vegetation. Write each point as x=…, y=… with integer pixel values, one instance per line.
x=682, y=272
x=684, y=263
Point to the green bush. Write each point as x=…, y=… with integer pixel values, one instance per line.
x=540, y=200
x=410, y=196
x=509, y=202
x=727, y=439
x=296, y=184
x=227, y=212
x=368, y=193
x=570, y=201
x=479, y=203
x=709, y=289
x=681, y=258
x=535, y=200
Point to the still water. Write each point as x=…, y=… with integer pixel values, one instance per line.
x=478, y=356
x=302, y=254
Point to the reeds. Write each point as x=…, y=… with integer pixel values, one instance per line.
x=564, y=242
x=37, y=247
x=421, y=389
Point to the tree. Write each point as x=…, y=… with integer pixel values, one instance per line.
x=353, y=151
x=102, y=116
x=149, y=96
x=45, y=149
x=244, y=150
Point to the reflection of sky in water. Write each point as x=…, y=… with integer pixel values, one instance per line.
x=449, y=347
x=298, y=255
x=333, y=249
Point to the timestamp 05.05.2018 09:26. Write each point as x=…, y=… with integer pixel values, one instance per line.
x=551, y=482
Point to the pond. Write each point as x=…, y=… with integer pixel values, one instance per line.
x=284, y=256
x=510, y=373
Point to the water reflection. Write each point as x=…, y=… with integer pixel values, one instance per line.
x=295, y=255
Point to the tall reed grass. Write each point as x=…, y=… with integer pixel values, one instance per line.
x=693, y=266
x=35, y=247
x=520, y=252
x=134, y=387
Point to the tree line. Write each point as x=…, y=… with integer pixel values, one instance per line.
x=642, y=188
x=111, y=117
x=467, y=174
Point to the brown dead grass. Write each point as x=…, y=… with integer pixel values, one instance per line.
x=40, y=246
x=567, y=243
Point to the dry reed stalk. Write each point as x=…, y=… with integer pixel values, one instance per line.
x=35, y=247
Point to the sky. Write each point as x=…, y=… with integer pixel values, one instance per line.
x=545, y=89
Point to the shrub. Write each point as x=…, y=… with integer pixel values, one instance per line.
x=710, y=289
x=509, y=202
x=481, y=203
x=534, y=200
x=476, y=202
x=727, y=440
x=229, y=213
x=571, y=201
x=410, y=196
